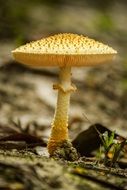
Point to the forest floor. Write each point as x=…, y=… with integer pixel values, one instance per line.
x=27, y=104
x=26, y=113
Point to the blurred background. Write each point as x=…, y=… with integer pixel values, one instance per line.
x=27, y=94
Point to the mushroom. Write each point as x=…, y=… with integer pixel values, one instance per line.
x=64, y=51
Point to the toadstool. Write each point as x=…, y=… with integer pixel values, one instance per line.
x=64, y=51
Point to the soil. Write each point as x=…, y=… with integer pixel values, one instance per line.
x=40, y=172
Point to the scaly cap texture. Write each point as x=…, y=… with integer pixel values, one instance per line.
x=64, y=50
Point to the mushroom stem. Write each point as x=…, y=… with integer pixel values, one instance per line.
x=59, y=132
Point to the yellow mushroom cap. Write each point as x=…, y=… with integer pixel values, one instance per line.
x=64, y=50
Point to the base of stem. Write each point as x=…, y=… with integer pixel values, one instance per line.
x=65, y=151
